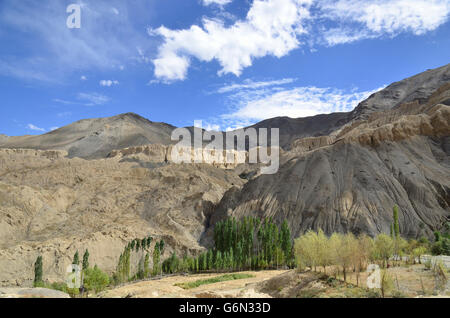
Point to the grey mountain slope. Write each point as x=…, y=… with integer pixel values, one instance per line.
x=418, y=87
x=349, y=187
x=401, y=156
x=96, y=138
x=295, y=128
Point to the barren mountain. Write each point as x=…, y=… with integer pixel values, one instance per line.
x=418, y=87
x=96, y=138
x=100, y=183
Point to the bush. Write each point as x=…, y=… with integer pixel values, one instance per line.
x=95, y=279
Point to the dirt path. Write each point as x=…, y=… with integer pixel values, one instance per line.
x=165, y=288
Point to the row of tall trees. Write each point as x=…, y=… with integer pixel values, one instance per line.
x=251, y=243
x=246, y=244
x=141, y=249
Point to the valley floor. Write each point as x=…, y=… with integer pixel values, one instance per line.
x=408, y=281
x=165, y=287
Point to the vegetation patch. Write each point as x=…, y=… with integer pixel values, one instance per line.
x=214, y=280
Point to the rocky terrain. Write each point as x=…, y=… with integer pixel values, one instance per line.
x=96, y=138
x=100, y=183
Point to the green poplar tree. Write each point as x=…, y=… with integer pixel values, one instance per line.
x=86, y=260
x=147, y=265
x=76, y=259
x=38, y=271
x=156, y=259
x=396, y=224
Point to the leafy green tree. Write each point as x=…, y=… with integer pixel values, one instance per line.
x=156, y=259
x=384, y=248
x=138, y=245
x=172, y=264
x=76, y=259
x=162, y=246
x=38, y=272
x=86, y=260
x=218, y=262
x=285, y=240
x=210, y=262
x=396, y=223
x=437, y=236
x=95, y=279
x=147, y=265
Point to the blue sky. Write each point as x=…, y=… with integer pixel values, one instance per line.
x=229, y=63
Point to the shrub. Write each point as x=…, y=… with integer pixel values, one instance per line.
x=95, y=279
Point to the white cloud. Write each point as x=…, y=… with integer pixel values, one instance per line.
x=249, y=104
x=249, y=84
x=53, y=128
x=296, y=102
x=108, y=83
x=270, y=28
x=115, y=11
x=93, y=99
x=276, y=27
x=35, y=128
x=63, y=101
x=64, y=114
x=362, y=19
x=219, y=2
x=83, y=78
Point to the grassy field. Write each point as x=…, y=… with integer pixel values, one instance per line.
x=213, y=280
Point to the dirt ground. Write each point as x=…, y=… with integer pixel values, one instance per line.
x=165, y=288
x=408, y=281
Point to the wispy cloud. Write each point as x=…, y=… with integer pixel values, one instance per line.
x=93, y=99
x=85, y=99
x=251, y=101
x=219, y=2
x=35, y=128
x=295, y=102
x=64, y=114
x=362, y=19
x=249, y=84
x=65, y=102
x=108, y=83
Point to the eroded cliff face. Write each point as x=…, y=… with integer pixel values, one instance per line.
x=351, y=179
x=51, y=205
